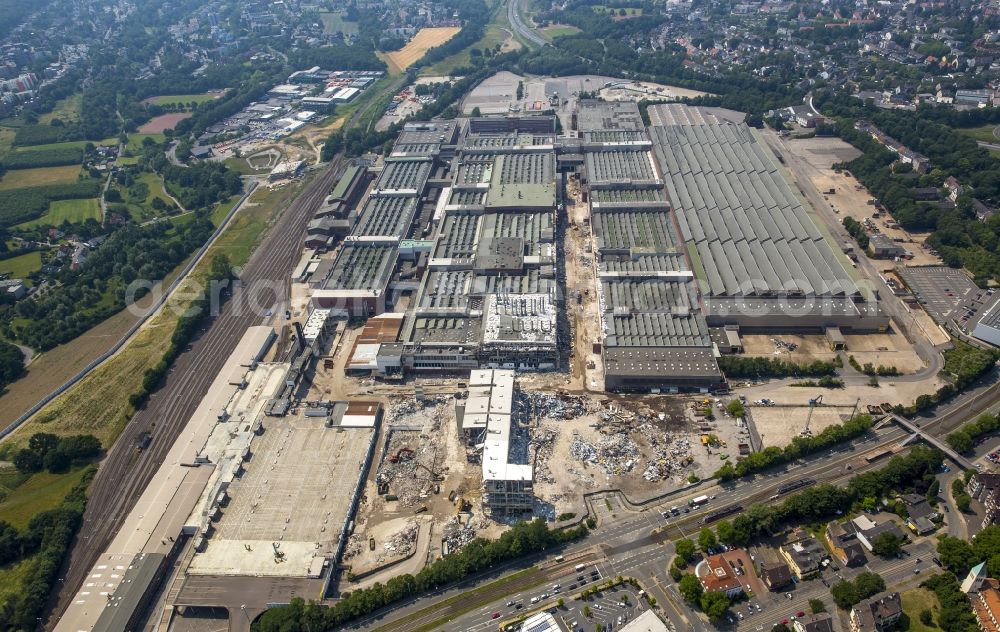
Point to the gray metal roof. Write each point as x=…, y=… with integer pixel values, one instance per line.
x=751, y=232
x=386, y=217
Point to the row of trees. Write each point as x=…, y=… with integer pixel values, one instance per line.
x=799, y=447
x=914, y=471
x=965, y=438
x=739, y=367
x=50, y=157
x=187, y=325
x=524, y=538
x=857, y=230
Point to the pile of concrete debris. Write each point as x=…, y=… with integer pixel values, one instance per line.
x=407, y=473
x=669, y=454
x=616, y=453
x=456, y=534
x=559, y=406
x=542, y=442
x=403, y=541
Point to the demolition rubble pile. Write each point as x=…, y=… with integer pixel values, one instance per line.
x=457, y=534
x=401, y=542
x=558, y=406
x=616, y=453
x=669, y=454
x=405, y=472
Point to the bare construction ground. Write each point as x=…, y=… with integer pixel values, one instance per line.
x=850, y=198
x=885, y=349
x=291, y=503
x=778, y=425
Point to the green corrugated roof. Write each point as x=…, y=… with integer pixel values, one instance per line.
x=345, y=181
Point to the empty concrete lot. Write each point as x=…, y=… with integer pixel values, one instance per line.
x=290, y=504
x=298, y=482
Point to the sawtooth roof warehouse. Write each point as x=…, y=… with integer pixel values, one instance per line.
x=695, y=230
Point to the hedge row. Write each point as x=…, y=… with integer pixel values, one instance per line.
x=52, y=157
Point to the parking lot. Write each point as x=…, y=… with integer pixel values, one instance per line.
x=947, y=293
x=610, y=608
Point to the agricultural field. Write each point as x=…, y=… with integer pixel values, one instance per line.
x=497, y=33
x=163, y=122
x=6, y=140
x=424, y=40
x=182, y=99
x=334, y=22
x=21, y=266
x=72, y=211
x=19, y=178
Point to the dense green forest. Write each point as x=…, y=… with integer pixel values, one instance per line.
x=11, y=364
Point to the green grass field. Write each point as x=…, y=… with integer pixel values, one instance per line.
x=40, y=492
x=72, y=211
x=76, y=144
x=18, y=178
x=12, y=577
x=66, y=110
x=22, y=265
x=6, y=140
x=334, y=22
x=915, y=601
x=141, y=209
x=560, y=30
x=983, y=133
x=181, y=99
x=135, y=141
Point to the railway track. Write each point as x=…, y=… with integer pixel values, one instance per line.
x=124, y=474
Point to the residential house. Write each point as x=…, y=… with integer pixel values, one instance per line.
x=954, y=187
x=878, y=614
x=804, y=557
x=983, y=211
x=721, y=576
x=843, y=540
x=985, y=487
x=822, y=622
x=776, y=575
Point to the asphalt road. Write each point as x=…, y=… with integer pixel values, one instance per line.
x=124, y=474
x=519, y=26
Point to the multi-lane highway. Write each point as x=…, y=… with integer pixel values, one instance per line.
x=520, y=28
x=124, y=473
